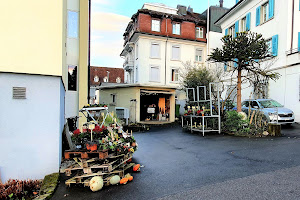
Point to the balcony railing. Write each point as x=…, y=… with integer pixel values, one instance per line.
x=128, y=65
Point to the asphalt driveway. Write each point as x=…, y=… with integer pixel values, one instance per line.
x=180, y=165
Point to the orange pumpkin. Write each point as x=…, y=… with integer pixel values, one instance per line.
x=123, y=180
x=136, y=167
x=130, y=178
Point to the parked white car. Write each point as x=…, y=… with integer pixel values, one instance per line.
x=274, y=111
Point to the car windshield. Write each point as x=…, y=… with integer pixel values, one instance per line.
x=270, y=104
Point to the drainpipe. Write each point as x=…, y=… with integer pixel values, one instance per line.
x=89, y=54
x=166, y=50
x=292, y=34
x=207, y=30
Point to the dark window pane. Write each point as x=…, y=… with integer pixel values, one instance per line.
x=72, y=77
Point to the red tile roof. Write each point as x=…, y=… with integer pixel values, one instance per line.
x=101, y=72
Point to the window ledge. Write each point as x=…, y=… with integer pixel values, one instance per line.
x=154, y=81
x=292, y=51
x=154, y=58
x=266, y=21
x=175, y=59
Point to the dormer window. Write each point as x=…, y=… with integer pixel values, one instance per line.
x=199, y=32
x=105, y=79
x=176, y=29
x=155, y=25
x=118, y=80
x=96, y=79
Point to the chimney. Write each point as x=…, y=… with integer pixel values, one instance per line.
x=190, y=9
x=181, y=10
x=221, y=3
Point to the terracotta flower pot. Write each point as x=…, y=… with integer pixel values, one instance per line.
x=133, y=144
x=91, y=147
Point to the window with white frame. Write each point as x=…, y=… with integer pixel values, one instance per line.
x=231, y=30
x=155, y=50
x=176, y=29
x=175, y=75
x=175, y=52
x=269, y=44
x=243, y=25
x=73, y=24
x=154, y=73
x=136, y=51
x=198, y=55
x=155, y=25
x=264, y=12
x=199, y=32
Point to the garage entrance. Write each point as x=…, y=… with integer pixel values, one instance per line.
x=155, y=105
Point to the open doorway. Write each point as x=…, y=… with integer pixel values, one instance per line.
x=155, y=105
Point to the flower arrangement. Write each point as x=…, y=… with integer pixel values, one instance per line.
x=19, y=189
x=94, y=105
x=104, y=140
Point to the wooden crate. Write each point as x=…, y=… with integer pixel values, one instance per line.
x=87, y=154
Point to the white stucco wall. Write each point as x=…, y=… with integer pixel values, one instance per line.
x=30, y=128
x=144, y=61
x=286, y=89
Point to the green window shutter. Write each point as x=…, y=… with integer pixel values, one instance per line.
x=275, y=45
x=236, y=28
x=248, y=21
x=226, y=31
x=257, y=15
x=299, y=41
x=225, y=67
x=271, y=8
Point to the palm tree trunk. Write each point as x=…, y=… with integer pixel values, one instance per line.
x=239, y=91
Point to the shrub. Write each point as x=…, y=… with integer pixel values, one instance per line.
x=232, y=122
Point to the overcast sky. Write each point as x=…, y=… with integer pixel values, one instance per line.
x=110, y=18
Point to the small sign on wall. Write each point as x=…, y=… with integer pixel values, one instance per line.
x=151, y=110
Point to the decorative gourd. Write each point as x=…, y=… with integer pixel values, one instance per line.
x=114, y=180
x=96, y=183
x=123, y=180
x=129, y=177
x=136, y=167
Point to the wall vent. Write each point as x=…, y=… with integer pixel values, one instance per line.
x=19, y=92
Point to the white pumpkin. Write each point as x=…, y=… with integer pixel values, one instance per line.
x=114, y=180
x=96, y=183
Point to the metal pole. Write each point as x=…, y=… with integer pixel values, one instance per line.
x=219, y=110
x=191, y=123
x=203, y=126
x=210, y=101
